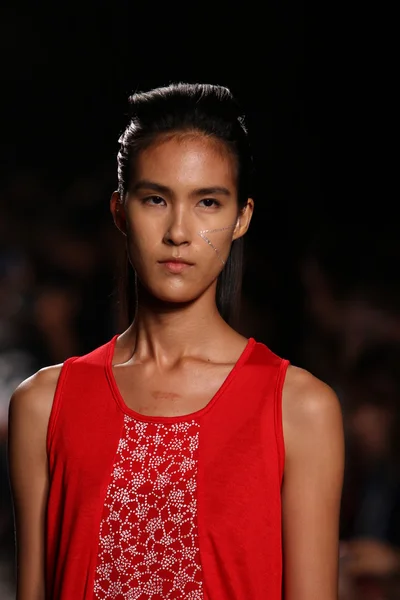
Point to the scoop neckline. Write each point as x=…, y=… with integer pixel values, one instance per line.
x=179, y=418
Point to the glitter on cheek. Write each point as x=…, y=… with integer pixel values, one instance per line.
x=202, y=234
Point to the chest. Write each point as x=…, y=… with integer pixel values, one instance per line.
x=172, y=393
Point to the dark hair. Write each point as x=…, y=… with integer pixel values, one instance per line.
x=208, y=109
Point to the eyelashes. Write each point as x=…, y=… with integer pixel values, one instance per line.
x=207, y=203
x=214, y=203
x=154, y=201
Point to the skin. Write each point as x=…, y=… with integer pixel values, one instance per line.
x=177, y=353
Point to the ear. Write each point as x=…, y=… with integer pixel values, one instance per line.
x=118, y=212
x=243, y=220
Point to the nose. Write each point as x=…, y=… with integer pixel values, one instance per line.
x=177, y=233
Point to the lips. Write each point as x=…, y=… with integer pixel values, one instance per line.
x=176, y=265
x=177, y=260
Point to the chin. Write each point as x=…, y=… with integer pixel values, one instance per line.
x=175, y=295
x=175, y=291
x=175, y=298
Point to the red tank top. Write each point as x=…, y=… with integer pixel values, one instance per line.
x=165, y=508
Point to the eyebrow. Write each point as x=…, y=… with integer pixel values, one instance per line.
x=145, y=184
x=213, y=190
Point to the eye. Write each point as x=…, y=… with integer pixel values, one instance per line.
x=209, y=203
x=154, y=200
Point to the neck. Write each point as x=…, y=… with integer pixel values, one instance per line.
x=167, y=332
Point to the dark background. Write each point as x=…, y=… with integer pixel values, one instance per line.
x=321, y=285
x=69, y=70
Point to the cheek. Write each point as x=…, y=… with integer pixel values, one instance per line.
x=217, y=242
x=141, y=238
x=138, y=252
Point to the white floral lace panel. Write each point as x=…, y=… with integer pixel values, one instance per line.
x=148, y=545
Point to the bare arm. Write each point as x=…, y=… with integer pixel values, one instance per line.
x=312, y=487
x=29, y=414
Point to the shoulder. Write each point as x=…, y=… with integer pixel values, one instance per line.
x=33, y=398
x=311, y=410
x=305, y=397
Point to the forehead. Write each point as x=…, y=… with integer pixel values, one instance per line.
x=189, y=158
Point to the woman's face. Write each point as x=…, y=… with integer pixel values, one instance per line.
x=181, y=215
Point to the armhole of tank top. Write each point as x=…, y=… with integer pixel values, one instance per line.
x=55, y=409
x=278, y=416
